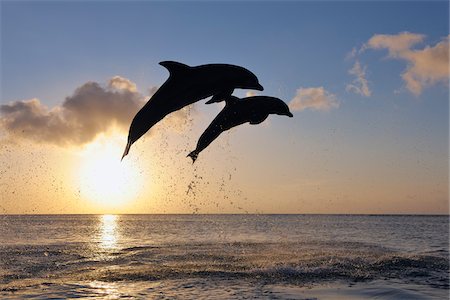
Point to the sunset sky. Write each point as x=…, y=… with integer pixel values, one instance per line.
x=367, y=83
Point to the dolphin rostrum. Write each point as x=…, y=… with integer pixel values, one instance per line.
x=239, y=111
x=187, y=85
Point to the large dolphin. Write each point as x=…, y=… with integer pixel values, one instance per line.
x=239, y=111
x=187, y=85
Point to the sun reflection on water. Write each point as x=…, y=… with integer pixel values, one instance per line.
x=108, y=231
x=107, y=290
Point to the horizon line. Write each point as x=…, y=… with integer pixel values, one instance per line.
x=236, y=214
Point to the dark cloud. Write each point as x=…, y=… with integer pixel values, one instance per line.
x=91, y=110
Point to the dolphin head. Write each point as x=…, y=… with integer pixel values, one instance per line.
x=245, y=79
x=232, y=76
x=278, y=107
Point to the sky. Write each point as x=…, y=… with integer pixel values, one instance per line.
x=367, y=83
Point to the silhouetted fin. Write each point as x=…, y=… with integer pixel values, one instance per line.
x=220, y=96
x=193, y=155
x=258, y=119
x=127, y=148
x=231, y=100
x=174, y=67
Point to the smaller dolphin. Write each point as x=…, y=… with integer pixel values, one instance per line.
x=239, y=111
x=187, y=85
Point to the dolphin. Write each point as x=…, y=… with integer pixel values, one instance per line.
x=239, y=111
x=187, y=85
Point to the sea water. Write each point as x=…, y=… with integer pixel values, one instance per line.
x=224, y=256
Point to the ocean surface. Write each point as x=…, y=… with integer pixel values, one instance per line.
x=224, y=257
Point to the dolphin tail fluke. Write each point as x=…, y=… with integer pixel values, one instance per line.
x=127, y=149
x=193, y=155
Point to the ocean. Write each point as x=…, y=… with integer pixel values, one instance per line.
x=224, y=256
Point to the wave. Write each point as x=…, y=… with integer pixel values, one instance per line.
x=287, y=262
x=419, y=270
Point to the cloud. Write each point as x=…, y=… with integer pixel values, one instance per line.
x=396, y=43
x=316, y=98
x=426, y=67
x=121, y=83
x=352, y=54
x=360, y=84
x=92, y=109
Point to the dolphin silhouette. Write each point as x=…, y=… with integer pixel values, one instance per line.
x=239, y=111
x=187, y=85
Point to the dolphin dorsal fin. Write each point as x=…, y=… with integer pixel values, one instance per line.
x=231, y=100
x=174, y=67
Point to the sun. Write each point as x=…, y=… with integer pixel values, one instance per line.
x=104, y=178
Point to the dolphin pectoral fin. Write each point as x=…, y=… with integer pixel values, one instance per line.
x=216, y=98
x=127, y=149
x=258, y=120
x=174, y=67
x=224, y=95
x=193, y=155
x=231, y=100
x=213, y=100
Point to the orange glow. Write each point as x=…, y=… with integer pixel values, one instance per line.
x=104, y=178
